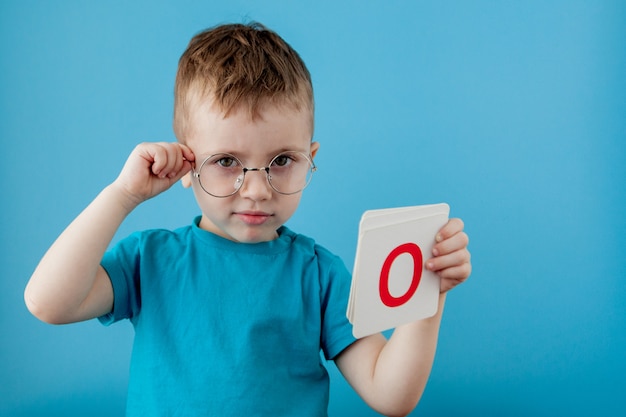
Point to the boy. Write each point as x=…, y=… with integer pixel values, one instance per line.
x=230, y=313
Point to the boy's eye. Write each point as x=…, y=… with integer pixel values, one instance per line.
x=282, y=160
x=226, y=162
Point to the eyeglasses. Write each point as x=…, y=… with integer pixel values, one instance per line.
x=222, y=175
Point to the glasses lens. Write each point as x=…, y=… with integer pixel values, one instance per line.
x=290, y=172
x=221, y=175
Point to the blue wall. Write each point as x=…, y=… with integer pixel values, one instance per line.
x=513, y=112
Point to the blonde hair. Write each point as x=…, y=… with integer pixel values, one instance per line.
x=239, y=66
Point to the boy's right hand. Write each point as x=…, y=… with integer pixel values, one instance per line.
x=69, y=284
x=152, y=168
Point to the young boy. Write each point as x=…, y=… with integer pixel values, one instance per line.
x=231, y=312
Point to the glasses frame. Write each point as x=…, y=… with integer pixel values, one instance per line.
x=245, y=170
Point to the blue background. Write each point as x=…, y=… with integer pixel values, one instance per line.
x=513, y=112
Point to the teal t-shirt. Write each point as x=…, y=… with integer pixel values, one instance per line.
x=228, y=329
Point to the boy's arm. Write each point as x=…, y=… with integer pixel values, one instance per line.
x=391, y=375
x=69, y=284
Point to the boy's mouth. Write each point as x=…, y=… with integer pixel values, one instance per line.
x=253, y=218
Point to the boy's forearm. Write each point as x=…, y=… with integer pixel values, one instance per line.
x=66, y=275
x=405, y=362
x=390, y=375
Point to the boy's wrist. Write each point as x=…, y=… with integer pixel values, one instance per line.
x=122, y=197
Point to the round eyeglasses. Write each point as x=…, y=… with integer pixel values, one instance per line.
x=222, y=175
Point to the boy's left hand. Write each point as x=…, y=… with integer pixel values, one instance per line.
x=451, y=259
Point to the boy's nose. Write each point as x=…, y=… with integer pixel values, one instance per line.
x=256, y=186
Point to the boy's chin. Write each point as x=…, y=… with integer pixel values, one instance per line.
x=242, y=233
x=255, y=237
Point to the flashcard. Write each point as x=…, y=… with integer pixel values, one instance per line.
x=390, y=285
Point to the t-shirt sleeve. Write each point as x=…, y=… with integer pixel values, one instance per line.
x=336, y=329
x=122, y=265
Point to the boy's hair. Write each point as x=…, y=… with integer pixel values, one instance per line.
x=239, y=66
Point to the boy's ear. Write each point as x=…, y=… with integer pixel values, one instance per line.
x=314, y=148
x=186, y=180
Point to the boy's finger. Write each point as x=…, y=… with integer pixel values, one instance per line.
x=175, y=161
x=156, y=155
x=171, y=159
x=449, y=260
x=454, y=226
x=178, y=156
x=183, y=166
x=458, y=273
x=452, y=277
x=456, y=242
x=187, y=153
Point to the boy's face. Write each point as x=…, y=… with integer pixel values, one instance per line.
x=256, y=211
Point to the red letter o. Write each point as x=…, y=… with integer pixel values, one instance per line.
x=383, y=288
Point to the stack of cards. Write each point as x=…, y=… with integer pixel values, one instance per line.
x=390, y=286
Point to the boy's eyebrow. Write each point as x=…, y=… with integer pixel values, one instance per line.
x=243, y=155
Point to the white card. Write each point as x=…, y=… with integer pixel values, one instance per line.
x=390, y=285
